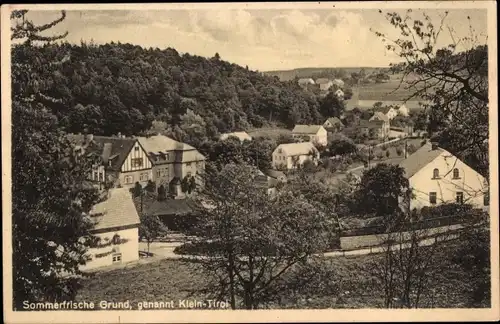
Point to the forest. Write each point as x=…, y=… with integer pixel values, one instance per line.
x=122, y=88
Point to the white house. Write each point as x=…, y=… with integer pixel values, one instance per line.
x=403, y=111
x=290, y=156
x=339, y=83
x=242, y=136
x=116, y=230
x=304, y=82
x=324, y=84
x=436, y=176
x=390, y=112
x=316, y=134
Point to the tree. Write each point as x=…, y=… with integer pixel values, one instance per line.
x=138, y=191
x=151, y=229
x=331, y=105
x=342, y=147
x=162, y=193
x=50, y=194
x=381, y=189
x=253, y=248
x=452, y=79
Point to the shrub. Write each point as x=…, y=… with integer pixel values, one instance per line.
x=379, y=155
x=387, y=154
x=411, y=149
x=399, y=151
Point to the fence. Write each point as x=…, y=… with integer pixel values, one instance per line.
x=423, y=224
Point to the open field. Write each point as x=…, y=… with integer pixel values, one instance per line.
x=345, y=283
x=272, y=132
x=286, y=75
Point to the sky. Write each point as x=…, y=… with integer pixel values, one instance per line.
x=263, y=39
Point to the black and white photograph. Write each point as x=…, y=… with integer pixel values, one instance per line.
x=299, y=160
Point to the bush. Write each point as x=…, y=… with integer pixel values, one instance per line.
x=387, y=154
x=379, y=155
x=411, y=149
x=423, y=143
x=399, y=151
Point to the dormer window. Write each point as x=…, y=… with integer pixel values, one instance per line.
x=456, y=174
x=435, y=174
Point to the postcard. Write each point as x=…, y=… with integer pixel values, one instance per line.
x=262, y=162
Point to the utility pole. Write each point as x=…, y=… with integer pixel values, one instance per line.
x=406, y=148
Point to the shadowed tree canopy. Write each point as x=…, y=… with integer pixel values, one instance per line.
x=50, y=195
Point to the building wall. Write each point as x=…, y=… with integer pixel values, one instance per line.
x=128, y=179
x=129, y=250
x=469, y=182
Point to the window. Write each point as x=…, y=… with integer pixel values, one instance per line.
x=144, y=176
x=435, y=174
x=158, y=173
x=116, y=239
x=188, y=164
x=456, y=173
x=460, y=198
x=101, y=176
x=137, y=162
x=136, y=149
x=129, y=179
x=432, y=198
x=117, y=257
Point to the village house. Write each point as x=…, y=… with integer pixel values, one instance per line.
x=242, y=136
x=316, y=134
x=389, y=112
x=292, y=155
x=436, y=176
x=122, y=160
x=403, y=111
x=386, y=125
x=269, y=180
x=339, y=83
x=324, y=84
x=173, y=163
x=304, y=82
x=333, y=125
x=115, y=231
x=374, y=129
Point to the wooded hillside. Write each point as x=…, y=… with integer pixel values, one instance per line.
x=111, y=88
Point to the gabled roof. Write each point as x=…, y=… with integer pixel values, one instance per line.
x=335, y=121
x=116, y=211
x=380, y=116
x=275, y=174
x=306, y=80
x=169, y=207
x=114, y=148
x=294, y=149
x=242, y=136
x=420, y=159
x=157, y=144
x=306, y=129
x=370, y=124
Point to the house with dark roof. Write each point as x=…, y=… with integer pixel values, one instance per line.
x=436, y=176
x=316, y=134
x=269, y=180
x=387, y=111
x=333, y=124
x=122, y=160
x=115, y=230
x=173, y=164
x=386, y=125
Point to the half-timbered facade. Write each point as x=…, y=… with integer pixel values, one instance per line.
x=122, y=160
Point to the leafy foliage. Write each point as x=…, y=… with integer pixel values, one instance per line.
x=256, y=239
x=151, y=228
x=50, y=195
x=453, y=79
x=381, y=189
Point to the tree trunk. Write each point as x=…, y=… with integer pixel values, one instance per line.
x=231, y=280
x=148, y=248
